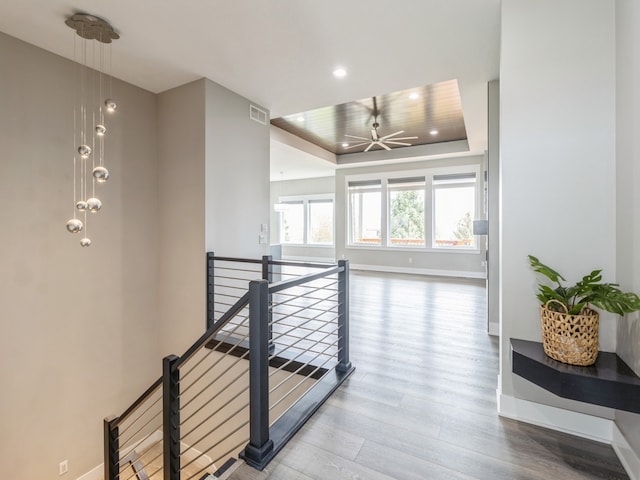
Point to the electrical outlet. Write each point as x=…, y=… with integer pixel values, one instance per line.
x=63, y=467
x=410, y=260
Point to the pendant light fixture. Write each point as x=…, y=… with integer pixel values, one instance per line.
x=92, y=107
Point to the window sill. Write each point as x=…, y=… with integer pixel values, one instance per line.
x=307, y=245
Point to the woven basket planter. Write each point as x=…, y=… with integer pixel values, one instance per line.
x=571, y=339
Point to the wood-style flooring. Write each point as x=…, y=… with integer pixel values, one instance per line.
x=422, y=402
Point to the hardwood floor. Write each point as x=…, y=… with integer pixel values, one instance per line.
x=422, y=402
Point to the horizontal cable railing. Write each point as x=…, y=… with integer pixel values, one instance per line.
x=304, y=335
x=131, y=434
x=275, y=332
x=299, y=334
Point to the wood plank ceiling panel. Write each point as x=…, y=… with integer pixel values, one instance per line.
x=416, y=111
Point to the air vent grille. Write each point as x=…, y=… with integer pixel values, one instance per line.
x=257, y=114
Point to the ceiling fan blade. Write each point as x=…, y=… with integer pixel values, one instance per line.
x=356, y=145
x=369, y=147
x=404, y=138
x=384, y=146
x=398, y=143
x=392, y=134
x=359, y=138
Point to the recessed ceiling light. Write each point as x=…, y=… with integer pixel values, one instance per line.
x=414, y=96
x=300, y=118
x=345, y=145
x=433, y=132
x=339, y=72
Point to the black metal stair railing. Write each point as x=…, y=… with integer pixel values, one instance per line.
x=274, y=350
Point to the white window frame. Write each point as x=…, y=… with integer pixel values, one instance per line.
x=429, y=227
x=459, y=184
x=305, y=200
x=349, y=230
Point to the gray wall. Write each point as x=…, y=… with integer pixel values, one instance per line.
x=237, y=175
x=83, y=331
x=453, y=262
x=72, y=318
x=493, y=214
x=182, y=146
x=628, y=196
x=557, y=148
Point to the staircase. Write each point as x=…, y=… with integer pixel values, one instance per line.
x=275, y=348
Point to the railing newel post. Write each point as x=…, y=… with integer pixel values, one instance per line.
x=344, y=364
x=171, y=418
x=260, y=446
x=267, y=274
x=111, y=449
x=210, y=289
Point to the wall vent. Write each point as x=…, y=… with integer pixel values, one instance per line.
x=257, y=114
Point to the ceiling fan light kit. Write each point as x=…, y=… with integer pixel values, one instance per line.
x=377, y=140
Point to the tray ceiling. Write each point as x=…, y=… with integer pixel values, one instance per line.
x=433, y=113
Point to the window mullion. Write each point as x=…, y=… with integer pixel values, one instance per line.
x=428, y=212
x=384, y=213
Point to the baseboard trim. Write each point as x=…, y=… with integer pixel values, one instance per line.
x=629, y=459
x=554, y=418
x=188, y=452
x=294, y=258
x=494, y=329
x=419, y=271
x=93, y=474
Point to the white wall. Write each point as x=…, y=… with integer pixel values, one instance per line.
x=404, y=260
x=557, y=147
x=72, y=318
x=628, y=196
x=307, y=186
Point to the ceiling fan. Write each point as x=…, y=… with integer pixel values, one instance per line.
x=382, y=141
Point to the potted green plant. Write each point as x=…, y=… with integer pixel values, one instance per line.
x=570, y=327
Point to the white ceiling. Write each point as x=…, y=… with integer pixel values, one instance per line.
x=280, y=53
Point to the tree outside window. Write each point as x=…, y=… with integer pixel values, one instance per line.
x=407, y=215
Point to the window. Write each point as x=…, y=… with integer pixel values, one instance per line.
x=306, y=220
x=431, y=209
x=366, y=207
x=453, y=210
x=292, y=222
x=406, y=211
x=320, y=222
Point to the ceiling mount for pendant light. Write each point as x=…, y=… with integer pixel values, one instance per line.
x=93, y=101
x=91, y=27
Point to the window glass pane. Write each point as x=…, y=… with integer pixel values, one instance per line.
x=454, y=208
x=406, y=214
x=321, y=221
x=292, y=222
x=365, y=215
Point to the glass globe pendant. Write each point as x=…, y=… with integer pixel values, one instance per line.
x=100, y=130
x=85, y=242
x=110, y=105
x=74, y=225
x=94, y=204
x=101, y=174
x=84, y=151
x=81, y=205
